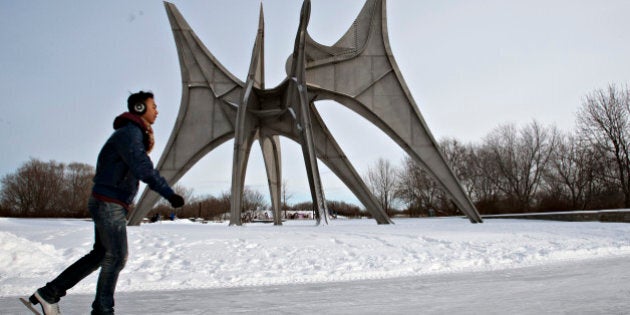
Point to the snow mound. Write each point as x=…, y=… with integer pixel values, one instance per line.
x=24, y=263
x=181, y=256
x=23, y=255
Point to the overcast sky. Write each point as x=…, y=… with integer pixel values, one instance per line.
x=67, y=67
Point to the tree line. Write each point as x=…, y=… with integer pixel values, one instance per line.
x=512, y=169
x=47, y=189
x=525, y=169
x=53, y=189
x=210, y=207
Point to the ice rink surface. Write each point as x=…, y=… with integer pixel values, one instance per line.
x=596, y=286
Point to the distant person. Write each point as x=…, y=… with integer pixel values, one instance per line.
x=122, y=162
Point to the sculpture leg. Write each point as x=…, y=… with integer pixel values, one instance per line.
x=270, y=146
x=239, y=168
x=315, y=184
x=246, y=131
x=310, y=159
x=147, y=200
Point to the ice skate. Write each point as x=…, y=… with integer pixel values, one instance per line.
x=47, y=308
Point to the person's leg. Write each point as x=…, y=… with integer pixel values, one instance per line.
x=57, y=288
x=112, y=229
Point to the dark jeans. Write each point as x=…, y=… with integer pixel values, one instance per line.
x=109, y=253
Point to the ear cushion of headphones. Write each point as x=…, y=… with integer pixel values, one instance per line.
x=139, y=108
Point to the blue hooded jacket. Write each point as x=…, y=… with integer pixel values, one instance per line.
x=123, y=161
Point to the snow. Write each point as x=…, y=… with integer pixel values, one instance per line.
x=182, y=256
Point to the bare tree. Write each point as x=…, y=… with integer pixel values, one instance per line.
x=461, y=160
x=486, y=192
x=603, y=121
x=77, y=188
x=342, y=208
x=286, y=196
x=253, y=199
x=35, y=189
x=47, y=189
x=574, y=173
x=417, y=189
x=520, y=158
x=382, y=181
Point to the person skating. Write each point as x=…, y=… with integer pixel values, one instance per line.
x=122, y=163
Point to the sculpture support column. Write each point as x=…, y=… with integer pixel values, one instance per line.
x=246, y=124
x=270, y=146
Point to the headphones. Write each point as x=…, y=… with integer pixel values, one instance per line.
x=139, y=108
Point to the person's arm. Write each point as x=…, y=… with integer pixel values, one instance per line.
x=135, y=156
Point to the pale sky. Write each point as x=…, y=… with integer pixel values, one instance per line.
x=67, y=67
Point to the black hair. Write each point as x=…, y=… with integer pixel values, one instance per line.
x=136, y=98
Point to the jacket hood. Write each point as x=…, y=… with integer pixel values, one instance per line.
x=147, y=132
x=127, y=117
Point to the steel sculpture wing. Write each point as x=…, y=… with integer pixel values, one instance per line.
x=359, y=71
x=207, y=112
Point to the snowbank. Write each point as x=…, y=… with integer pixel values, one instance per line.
x=179, y=255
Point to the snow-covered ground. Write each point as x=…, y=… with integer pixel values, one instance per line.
x=221, y=261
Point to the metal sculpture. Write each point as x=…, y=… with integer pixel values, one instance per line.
x=358, y=71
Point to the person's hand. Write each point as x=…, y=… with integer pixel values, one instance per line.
x=176, y=200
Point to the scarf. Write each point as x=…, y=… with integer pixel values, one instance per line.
x=147, y=131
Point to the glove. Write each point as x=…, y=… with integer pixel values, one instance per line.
x=176, y=200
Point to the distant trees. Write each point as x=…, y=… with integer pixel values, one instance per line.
x=572, y=180
x=534, y=168
x=47, y=189
x=336, y=208
x=381, y=180
x=253, y=200
x=519, y=159
x=512, y=169
x=77, y=188
x=209, y=207
x=603, y=122
x=206, y=207
x=285, y=195
x=342, y=208
x=416, y=189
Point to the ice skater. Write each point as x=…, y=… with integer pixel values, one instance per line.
x=122, y=162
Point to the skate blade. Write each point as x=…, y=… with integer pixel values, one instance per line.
x=30, y=306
